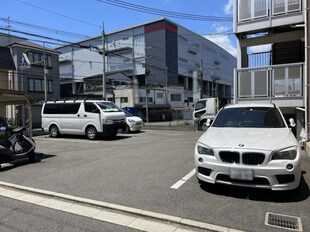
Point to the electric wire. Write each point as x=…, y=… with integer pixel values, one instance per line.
x=45, y=29
x=172, y=14
x=62, y=15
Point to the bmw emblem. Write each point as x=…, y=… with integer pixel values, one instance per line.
x=241, y=145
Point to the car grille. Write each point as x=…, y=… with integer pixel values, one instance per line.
x=248, y=158
x=230, y=157
x=253, y=158
x=116, y=121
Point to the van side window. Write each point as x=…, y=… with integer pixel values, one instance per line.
x=91, y=108
x=61, y=108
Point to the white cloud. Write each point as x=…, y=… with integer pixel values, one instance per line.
x=222, y=40
x=228, y=9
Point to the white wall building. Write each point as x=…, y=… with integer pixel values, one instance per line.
x=159, y=59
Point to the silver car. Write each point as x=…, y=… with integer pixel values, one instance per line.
x=249, y=145
x=134, y=123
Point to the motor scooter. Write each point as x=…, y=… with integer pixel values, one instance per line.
x=16, y=145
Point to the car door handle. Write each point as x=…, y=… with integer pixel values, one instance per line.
x=85, y=115
x=78, y=115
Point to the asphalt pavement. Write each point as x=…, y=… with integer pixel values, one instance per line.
x=144, y=171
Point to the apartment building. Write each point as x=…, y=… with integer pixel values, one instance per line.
x=156, y=65
x=279, y=74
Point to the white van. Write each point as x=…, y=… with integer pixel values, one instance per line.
x=82, y=117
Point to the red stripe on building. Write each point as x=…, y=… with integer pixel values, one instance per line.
x=160, y=27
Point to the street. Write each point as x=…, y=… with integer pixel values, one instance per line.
x=151, y=170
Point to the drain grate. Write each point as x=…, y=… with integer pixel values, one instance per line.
x=283, y=221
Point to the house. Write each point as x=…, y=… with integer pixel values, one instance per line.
x=30, y=74
x=158, y=66
x=279, y=74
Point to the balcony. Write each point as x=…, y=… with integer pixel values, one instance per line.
x=260, y=14
x=280, y=84
x=121, y=68
x=118, y=50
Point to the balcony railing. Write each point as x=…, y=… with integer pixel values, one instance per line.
x=255, y=9
x=270, y=82
x=121, y=67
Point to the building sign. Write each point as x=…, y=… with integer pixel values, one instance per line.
x=23, y=63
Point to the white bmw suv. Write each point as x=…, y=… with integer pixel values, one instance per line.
x=249, y=145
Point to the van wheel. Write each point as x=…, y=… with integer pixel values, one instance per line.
x=54, y=131
x=91, y=133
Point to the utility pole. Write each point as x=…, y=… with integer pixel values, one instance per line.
x=166, y=70
x=201, y=79
x=72, y=71
x=104, y=94
x=146, y=95
x=45, y=73
x=134, y=77
x=147, y=72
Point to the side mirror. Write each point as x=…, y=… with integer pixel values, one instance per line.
x=292, y=122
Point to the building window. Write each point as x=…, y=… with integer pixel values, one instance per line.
x=175, y=97
x=160, y=95
x=182, y=40
x=142, y=99
x=183, y=62
x=49, y=61
x=37, y=59
x=124, y=99
x=139, y=38
x=37, y=85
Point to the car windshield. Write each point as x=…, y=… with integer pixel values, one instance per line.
x=108, y=107
x=257, y=117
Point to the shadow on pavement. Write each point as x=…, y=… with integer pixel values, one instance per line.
x=23, y=162
x=99, y=138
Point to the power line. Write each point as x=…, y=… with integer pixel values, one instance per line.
x=46, y=29
x=166, y=13
x=62, y=15
x=35, y=35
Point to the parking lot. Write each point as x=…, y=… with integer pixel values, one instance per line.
x=153, y=170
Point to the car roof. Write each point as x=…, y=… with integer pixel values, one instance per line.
x=74, y=101
x=241, y=105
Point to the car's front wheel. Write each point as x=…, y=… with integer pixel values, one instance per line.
x=91, y=133
x=126, y=130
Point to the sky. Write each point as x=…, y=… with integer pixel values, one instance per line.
x=85, y=18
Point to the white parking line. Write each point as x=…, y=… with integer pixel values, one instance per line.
x=183, y=180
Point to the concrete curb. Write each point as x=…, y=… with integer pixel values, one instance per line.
x=124, y=209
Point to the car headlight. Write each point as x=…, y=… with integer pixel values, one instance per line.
x=287, y=153
x=204, y=150
x=107, y=121
x=131, y=120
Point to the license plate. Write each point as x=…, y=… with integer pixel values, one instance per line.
x=241, y=174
